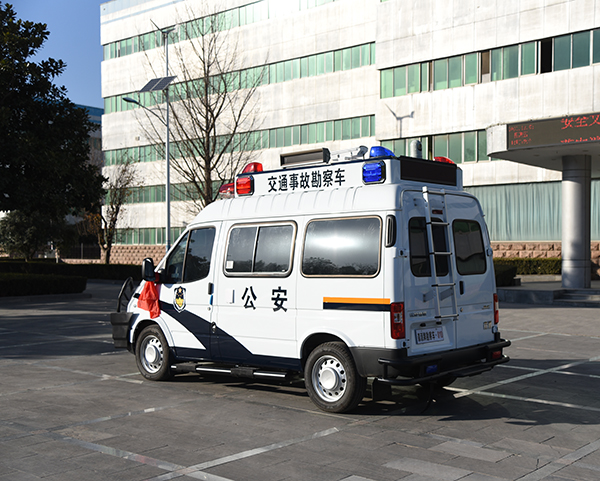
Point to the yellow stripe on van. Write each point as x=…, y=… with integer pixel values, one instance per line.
x=356, y=303
x=356, y=300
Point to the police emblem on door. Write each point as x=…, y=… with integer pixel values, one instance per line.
x=179, y=299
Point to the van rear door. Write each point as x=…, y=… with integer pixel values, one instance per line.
x=448, y=302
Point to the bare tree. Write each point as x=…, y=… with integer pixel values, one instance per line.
x=213, y=108
x=120, y=182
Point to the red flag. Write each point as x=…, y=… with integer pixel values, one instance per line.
x=148, y=300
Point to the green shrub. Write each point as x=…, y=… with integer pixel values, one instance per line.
x=529, y=266
x=91, y=271
x=12, y=284
x=504, y=274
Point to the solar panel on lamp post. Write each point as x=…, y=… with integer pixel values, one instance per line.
x=155, y=85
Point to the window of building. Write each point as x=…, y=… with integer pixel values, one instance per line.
x=471, y=74
x=455, y=72
x=596, y=46
x=399, y=81
x=562, y=53
x=260, y=250
x=581, y=49
x=528, y=58
x=468, y=243
x=342, y=247
x=440, y=74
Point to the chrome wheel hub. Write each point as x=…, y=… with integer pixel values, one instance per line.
x=329, y=378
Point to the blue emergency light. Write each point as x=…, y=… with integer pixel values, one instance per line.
x=373, y=172
x=379, y=151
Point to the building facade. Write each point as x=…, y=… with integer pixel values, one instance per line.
x=372, y=72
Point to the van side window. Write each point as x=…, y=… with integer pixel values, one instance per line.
x=468, y=241
x=190, y=261
x=260, y=250
x=342, y=247
x=174, y=265
x=419, y=248
x=199, y=252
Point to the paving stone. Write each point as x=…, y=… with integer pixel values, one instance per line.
x=469, y=451
x=432, y=470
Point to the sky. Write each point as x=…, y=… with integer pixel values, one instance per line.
x=74, y=27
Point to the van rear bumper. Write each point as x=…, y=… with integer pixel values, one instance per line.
x=395, y=367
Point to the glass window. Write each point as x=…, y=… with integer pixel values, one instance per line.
x=312, y=134
x=365, y=129
x=342, y=247
x=481, y=145
x=199, y=251
x=528, y=61
x=347, y=59
x=365, y=55
x=455, y=148
x=399, y=81
x=470, y=139
x=356, y=128
x=425, y=77
x=355, y=57
x=346, y=129
x=387, y=83
x=596, y=55
x=329, y=130
x=471, y=74
x=455, y=72
x=274, y=249
x=496, y=64
x=320, y=131
x=440, y=146
x=581, y=49
x=562, y=52
x=287, y=136
x=265, y=249
x=510, y=62
x=304, y=67
x=468, y=242
x=414, y=78
x=420, y=264
x=329, y=62
x=288, y=72
x=440, y=74
x=337, y=130
x=337, y=64
x=320, y=64
x=240, y=250
x=312, y=65
x=296, y=68
x=174, y=265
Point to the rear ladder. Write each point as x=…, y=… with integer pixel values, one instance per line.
x=433, y=253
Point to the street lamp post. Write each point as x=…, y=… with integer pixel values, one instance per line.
x=155, y=85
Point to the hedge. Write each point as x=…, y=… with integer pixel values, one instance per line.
x=91, y=271
x=532, y=266
x=12, y=284
x=504, y=274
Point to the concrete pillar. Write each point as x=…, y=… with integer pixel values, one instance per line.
x=576, y=187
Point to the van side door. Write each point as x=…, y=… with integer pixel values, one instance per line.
x=186, y=292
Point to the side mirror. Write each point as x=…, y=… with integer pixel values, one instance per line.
x=148, y=270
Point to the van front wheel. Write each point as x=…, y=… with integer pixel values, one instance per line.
x=152, y=354
x=331, y=379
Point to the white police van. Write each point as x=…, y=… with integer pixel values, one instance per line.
x=362, y=266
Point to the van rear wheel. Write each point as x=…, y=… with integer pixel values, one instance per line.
x=331, y=378
x=152, y=354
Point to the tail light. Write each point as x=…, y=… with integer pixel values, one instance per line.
x=244, y=185
x=496, y=309
x=397, y=320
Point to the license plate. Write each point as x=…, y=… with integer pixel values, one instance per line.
x=433, y=334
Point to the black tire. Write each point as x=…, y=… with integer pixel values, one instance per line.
x=152, y=354
x=331, y=378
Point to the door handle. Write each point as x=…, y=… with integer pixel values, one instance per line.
x=461, y=287
x=211, y=288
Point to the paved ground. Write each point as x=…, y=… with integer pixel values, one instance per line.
x=73, y=408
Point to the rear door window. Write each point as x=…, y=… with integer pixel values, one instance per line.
x=420, y=263
x=468, y=242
